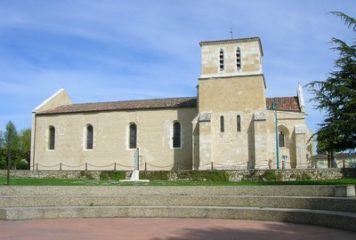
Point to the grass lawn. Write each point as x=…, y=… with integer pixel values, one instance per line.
x=88, y=182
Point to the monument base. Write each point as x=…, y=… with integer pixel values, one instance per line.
x=135, y=177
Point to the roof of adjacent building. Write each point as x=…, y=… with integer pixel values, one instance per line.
x=290, y=104
x=283, y=104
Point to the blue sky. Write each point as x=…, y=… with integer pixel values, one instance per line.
x=116, y=50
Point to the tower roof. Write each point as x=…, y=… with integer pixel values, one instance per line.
x=235, y=40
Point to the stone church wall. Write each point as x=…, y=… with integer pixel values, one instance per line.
x=111, y=132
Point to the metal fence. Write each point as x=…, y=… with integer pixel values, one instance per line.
x=148, y=166
x=342, y=160
x=318, y=161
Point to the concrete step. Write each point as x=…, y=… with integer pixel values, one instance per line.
x=297, y=202
x=335, y=219
x=322, y=191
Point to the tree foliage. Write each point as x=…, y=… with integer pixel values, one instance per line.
x=15, y=146
x=337, y=97
x=1, y=140
x=11, y=139
x=25, y=140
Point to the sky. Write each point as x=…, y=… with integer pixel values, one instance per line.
x=113, y=50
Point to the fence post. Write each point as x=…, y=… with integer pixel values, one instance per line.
x=60, y=166
x=114, y=166
x=86, y=166
x=211, y=166
x=36, y=166
x=145, y=167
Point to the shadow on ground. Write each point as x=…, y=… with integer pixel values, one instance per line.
x=273, y=231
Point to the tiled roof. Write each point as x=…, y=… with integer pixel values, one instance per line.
x=283, y=104
x=184, y=102
x=236, y=40
x=290, y=104
x=230, y=40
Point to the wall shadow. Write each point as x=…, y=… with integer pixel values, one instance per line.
x=292, y=151
x=196, y=145
x=260, y=231
x=251, y=145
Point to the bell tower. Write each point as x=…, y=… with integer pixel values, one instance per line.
x=231, y=89
x=231, y=75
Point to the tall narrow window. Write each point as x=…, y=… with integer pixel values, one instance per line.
x=176, y=135
x=238, y=123
x=90, y=137
x=221, y=60
x=238, y=58
x=281, y=139
x=222, y=128
x=133, y=136
x=51, y=138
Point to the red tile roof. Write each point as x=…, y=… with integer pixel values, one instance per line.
x=283, y=104
x=290, y=104
x=184, y=102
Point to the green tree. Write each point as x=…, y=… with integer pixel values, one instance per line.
x=11, y=145
x=25, y=143
x=25, y=140
x=337, y=97
x=1, y=140
x=2, y=155
x=11, y=139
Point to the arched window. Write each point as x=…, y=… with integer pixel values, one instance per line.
x=133, y=136
x=90, y=137
x=222, y=129
x=51, y=138
x=281, y=139
x=221, y=60
x=238, y=58
x=176, y=135
x=238, y=123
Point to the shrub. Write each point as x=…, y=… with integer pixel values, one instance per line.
x=112, y=175
x=214, y=176
x=268, y=175
x=87, y=175
x=155, y=175
x=3, y=164
x=271, y=175
x=18, y=163
x=304, y=177
x=221, y=176
x=251, y=176
x=279, y=176
x=22, y=164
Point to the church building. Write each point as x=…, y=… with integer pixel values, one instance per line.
x=230, y=124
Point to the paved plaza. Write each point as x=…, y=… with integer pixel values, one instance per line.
x=163, y=228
